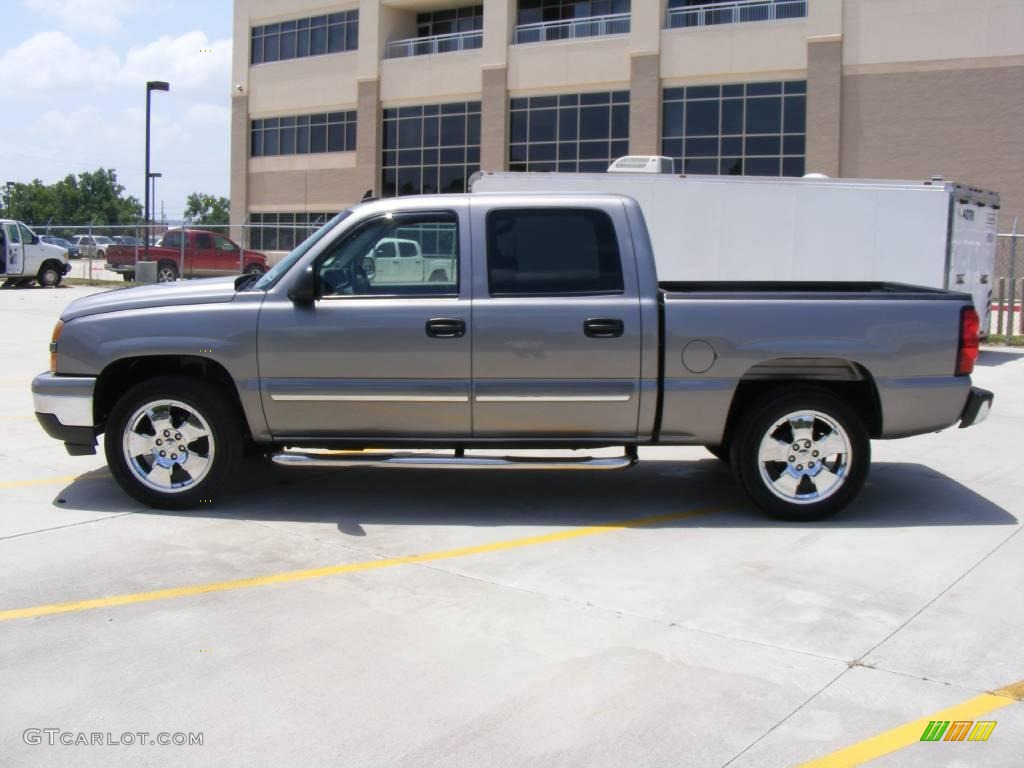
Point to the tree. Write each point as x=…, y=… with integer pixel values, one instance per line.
x=93, y=197
x=208, y=210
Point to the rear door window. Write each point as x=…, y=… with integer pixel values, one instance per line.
x=552, y=252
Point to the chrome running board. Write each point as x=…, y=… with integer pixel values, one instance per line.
x=433, y=461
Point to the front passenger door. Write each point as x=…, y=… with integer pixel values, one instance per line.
x=372, y=358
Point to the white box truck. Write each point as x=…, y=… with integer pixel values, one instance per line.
x=931, y=233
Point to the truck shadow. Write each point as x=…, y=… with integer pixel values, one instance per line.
x=990, y=358
x=896, y=495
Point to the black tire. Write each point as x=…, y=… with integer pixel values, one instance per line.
x=254, y=269
x=49, y=275
x=720, y=452
x=128, y=276
x=792, y=494
x=221, y=449
x=166, y=272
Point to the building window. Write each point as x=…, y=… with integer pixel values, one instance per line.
x=300, y=38
x=757, y=129
x=543, y=20
x=576, y=132
x=303, y=134
x=449, y=22
x=705, y=13
x=430, y=149
x=283, y=231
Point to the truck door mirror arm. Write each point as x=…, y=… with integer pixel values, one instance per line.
x=304, y=289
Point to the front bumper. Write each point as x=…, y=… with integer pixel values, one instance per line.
x=978, y=407
x=63, y=406
x=67, y=267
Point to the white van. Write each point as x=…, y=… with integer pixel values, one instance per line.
x=25, y=258
x=932, y=233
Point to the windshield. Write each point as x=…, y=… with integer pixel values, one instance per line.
x=279, y=270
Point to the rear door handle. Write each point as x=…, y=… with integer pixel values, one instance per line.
x=603, y=328
x=446, y=328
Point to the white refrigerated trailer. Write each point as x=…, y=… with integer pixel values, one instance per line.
x=722, y=228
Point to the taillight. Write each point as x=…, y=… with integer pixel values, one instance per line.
x=967, y=353
x=53, y=345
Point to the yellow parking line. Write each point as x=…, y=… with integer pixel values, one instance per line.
x=39, y=481
x=910, y=733
x=333, y=570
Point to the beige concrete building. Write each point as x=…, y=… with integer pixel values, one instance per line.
x=332, y=99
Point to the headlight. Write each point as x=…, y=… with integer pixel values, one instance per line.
x=53, y=345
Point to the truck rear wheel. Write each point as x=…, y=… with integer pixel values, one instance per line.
x=802, y=455
x=171, y=443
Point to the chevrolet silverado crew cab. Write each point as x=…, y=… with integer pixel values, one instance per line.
x=553, y=331
x=188, y=253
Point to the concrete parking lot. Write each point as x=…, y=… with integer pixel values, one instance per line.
x=644, y=618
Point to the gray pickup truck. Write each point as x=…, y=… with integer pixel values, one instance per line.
x=551, y=331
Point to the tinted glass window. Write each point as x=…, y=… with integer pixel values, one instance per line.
x=203, y=241
x=172, y=240
x=545, y=252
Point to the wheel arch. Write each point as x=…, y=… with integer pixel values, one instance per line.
x=846, y=379
x=122, y=374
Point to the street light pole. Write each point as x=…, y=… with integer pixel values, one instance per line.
x=152, y=85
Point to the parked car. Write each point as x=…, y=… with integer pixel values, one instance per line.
x=73, y=251
x=205, y=254
x=93, y=246
x=553, y=332
x=126, y=240
x=26, y=258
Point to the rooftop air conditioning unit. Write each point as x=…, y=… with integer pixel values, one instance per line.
x=642, y=164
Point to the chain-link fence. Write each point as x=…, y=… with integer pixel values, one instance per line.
x=1008, y=286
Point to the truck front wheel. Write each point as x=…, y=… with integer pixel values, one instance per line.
x=802, y=455
x=166, y=272
x=49, y=275
x=170, y=442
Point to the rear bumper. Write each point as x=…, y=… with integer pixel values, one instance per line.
x=64, y=409
x=978, y=407
x=122, y=268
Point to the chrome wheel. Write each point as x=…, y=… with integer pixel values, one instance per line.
x=168, y=446
x=805, y=457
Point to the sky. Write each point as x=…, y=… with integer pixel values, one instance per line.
x=73, y=93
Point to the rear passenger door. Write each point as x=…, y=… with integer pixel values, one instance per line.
x=556, y=319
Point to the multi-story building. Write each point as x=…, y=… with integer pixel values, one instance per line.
x=333, y=98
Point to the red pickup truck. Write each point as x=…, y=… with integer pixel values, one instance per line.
x=206, y=254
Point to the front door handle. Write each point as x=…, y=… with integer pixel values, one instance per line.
x=603, y=328
x=446, y=328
